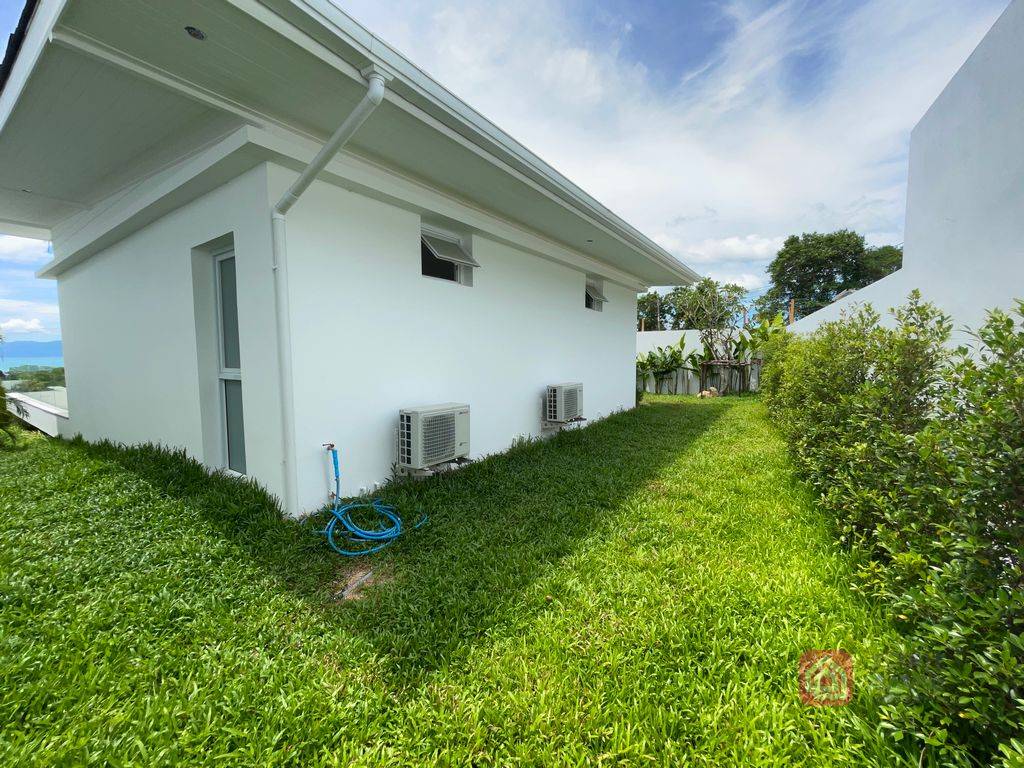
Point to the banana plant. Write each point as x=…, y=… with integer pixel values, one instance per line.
x=764, y=332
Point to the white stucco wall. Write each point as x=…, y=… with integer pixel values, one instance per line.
x=964, y=245
x=133, y=343
x=371, y=335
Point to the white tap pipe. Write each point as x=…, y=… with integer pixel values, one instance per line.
x=377, y=82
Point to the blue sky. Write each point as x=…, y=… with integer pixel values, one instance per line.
x=718, y=127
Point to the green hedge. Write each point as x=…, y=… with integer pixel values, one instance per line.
x=918, y=453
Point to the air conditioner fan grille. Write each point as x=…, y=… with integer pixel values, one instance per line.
x=571, y=402
x=438, y=438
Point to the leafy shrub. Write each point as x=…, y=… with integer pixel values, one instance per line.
x=7, y=420
x=918, y=453
x=36, y=378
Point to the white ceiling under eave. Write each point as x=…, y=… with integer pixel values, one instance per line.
x=83, y=129
x=123, y=91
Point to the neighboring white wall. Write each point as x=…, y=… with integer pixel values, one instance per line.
x=371, y=335
x=648, y=341
x=52, y=396
x=887, y=293
x=39, y=409
x=131, y=338
x=964, y=244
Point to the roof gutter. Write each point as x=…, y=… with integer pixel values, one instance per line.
x=376, y=85
x=15, y=40
x=418, y=89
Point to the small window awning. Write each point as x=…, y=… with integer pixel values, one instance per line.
x=448, y=250
x=595, y=294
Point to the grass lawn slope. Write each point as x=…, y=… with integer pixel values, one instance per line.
x=634, y=593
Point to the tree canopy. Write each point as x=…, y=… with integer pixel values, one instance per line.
x=705, y=304
x=649, y=315
x=813, y=268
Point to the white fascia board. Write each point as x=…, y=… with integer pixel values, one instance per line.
x=497, y=145
x=36, y=38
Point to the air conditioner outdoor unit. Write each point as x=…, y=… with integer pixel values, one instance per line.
x=564, y=402
x=432, y=434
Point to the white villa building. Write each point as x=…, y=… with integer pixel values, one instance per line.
x=964, y=241
x=271, y=231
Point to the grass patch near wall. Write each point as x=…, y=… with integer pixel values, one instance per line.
x=634, y=593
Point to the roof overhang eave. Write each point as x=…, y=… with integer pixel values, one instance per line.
x=418, y=85
x=39, y=17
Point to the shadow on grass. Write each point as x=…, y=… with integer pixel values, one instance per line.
x=494, y=527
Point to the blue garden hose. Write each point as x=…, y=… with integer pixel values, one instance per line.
x=354, y=540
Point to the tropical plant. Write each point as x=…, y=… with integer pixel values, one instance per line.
x=665, y=363
x=761, y=334
x=692, y=360
x=644, y=368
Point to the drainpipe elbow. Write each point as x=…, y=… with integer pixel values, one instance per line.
x=375, y=89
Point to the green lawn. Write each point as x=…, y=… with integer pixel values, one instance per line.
x=635, y=593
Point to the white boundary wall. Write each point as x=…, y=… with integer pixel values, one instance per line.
x=964, y=244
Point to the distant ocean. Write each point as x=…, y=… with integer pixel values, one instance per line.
x=6, y=363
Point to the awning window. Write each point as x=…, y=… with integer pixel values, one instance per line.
x=449, y=250
x=595, y=293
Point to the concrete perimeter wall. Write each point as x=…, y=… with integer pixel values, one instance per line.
x=964, y=244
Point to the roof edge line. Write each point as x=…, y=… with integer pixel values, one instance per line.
x=15, y=40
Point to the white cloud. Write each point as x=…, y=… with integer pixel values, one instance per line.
x=17, y=325
x=752, y=282
x=32, y=319
x=749, y=248
x=721, y=167
x=22, y=250
x=21, y=307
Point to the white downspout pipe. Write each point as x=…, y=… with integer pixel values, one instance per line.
x=377, y=82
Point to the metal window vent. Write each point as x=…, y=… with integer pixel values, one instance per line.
x=564, y=402
x=431, y=435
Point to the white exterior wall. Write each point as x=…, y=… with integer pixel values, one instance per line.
x=964, y=244
x=371, y=335
x=133, y=344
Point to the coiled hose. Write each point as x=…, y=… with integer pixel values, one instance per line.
x=352, y=540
